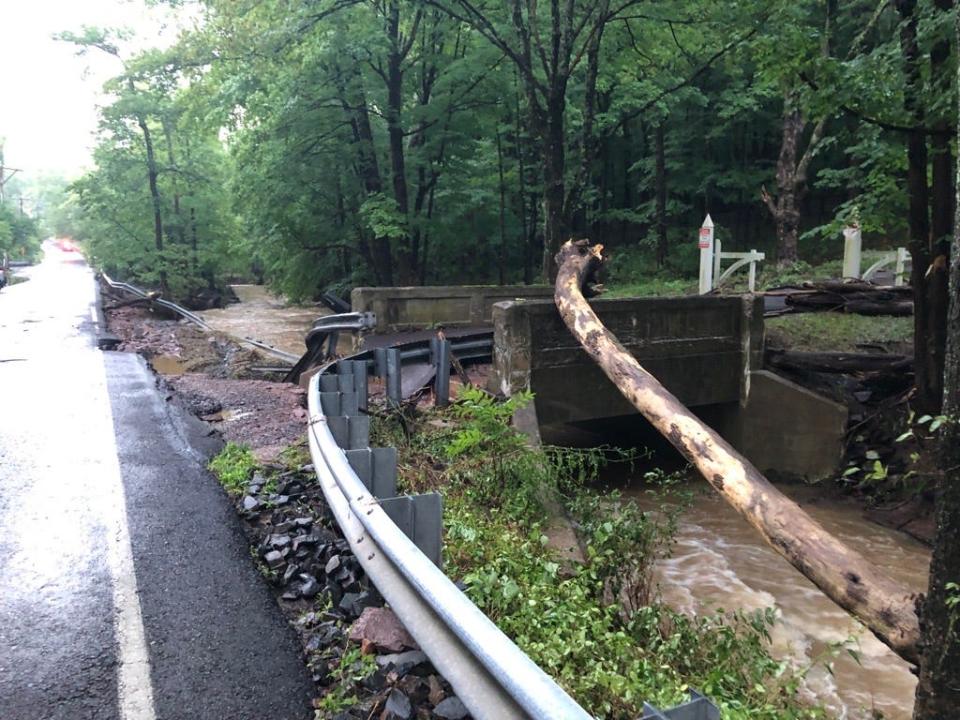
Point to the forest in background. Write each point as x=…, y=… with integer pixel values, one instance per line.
x=347, y=142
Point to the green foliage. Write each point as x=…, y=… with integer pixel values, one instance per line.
x=596, y=627
x=233, y=467
x=316, y=146
x=352, y=668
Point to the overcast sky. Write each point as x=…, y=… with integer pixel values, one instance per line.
x=48, y=95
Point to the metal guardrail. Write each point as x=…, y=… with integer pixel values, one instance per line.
x=492, y=677
x=193, y=317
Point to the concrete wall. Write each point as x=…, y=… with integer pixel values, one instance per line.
x=706, y=350
x=787, y=430
x=412, y=308
x=698, y=347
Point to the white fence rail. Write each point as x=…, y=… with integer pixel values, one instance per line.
x=712, y=257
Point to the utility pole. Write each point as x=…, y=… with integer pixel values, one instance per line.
x=5, y=174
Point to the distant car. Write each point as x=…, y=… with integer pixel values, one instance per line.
x=67, y=245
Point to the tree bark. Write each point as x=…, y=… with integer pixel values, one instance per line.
x=406, y=271
x=554, y=183
x=661, y=184
x=928, y=365
x=155, y=197
x=938, y=689
x=844, y=575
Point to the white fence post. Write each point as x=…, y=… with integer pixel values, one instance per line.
x=902, y=255
x=717, y=257
x=752, y=281
x=851, y=251
x=705, y=244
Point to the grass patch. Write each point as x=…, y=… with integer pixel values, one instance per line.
x=652, y=286
x=233, y=467
x=838, y=331
x=595, y=627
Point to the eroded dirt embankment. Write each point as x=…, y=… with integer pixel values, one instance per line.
x=217, y=379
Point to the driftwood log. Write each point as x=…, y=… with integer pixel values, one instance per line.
x=846, y=577
x=837, y=362
x=856, y=297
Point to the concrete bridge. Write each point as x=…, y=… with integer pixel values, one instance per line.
x=707, y=350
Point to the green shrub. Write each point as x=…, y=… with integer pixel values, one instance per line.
x=233, y=467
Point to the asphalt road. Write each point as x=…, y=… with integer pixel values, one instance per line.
x=126, y=585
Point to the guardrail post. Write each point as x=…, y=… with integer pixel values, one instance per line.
x=420, y=517
x=360, y=383
x=380, y=362
x=394, y=393
x=377, y=470
x=440, y=351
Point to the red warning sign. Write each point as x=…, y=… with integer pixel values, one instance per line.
x=706, y=236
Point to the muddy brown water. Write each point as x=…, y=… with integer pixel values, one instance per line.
x=720, y=562
x=261, y=315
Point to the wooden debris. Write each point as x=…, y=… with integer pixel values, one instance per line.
x=837, y=362
x=856, y=297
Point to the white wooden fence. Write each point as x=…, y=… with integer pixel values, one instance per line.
x=712, y=257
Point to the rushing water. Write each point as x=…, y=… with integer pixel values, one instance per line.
x=719, y=561
x=262, y=316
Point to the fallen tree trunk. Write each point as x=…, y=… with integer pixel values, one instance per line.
x=837, y=362
x=845, y=576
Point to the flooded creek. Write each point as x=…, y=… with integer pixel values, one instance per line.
x=720, y=562
x=261, y=315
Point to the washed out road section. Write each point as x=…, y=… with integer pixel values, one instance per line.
x=119, y=554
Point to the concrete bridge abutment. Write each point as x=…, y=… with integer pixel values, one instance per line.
x=707, y=350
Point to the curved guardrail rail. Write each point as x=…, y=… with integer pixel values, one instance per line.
x=193, y=317
x=492, y=677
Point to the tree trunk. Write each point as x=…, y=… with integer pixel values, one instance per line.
x=661, y=185
x=157, y=206
x=554, y=216
x=369, y=170
x=786, y=213
x=928, y=366
x=406, y=271
x=938, y=689
x=842, y=574
x=502, y=260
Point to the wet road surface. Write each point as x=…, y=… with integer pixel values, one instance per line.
x=126, y=586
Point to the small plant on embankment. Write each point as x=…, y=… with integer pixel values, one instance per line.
x=233, y=467
x=596, y=625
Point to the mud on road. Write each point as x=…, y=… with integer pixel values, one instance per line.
x=217, y=379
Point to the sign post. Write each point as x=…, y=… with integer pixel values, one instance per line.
x=851, y=251
x=705, y=243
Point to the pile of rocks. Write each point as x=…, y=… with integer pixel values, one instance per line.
x=336, y=611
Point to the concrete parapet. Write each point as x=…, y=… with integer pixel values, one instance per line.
x=410, y=308
x=706, y=350
x=700, y=348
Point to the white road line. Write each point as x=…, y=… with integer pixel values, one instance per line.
x=134, y=689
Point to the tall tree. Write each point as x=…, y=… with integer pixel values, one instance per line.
x=938, y=689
